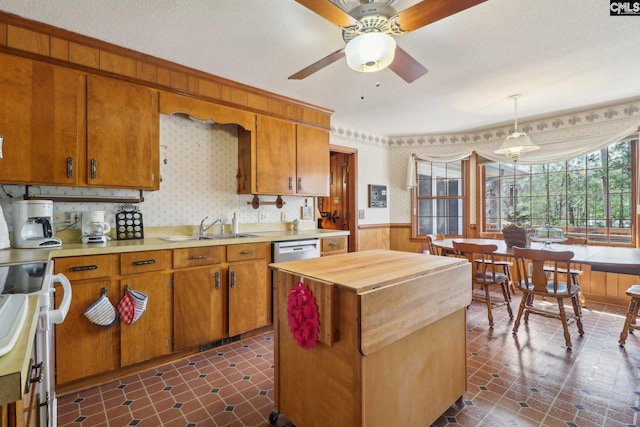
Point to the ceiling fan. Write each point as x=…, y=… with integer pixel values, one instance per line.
x=370, y=18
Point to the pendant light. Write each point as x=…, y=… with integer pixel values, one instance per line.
x=518, y=142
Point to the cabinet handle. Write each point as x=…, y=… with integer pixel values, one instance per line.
x=333, y=243
x=38, y=371
x=94, y=168
x=217, y=280
x=299, y=184
x=83, y=268
x=290, y=183
x=199, y=257
x=144, y=262
x=233, y=279
x=69, y=167
x=246, y=252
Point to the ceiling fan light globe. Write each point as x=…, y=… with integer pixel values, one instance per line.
x=370, y=52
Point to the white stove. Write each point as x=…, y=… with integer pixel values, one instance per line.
x=37, y=278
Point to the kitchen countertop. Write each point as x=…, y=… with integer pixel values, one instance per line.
x=14, y=366
x=10, y=256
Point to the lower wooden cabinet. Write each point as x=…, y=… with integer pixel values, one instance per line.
x=149, y=336
x=217, y=292
x=334, y=245
x=199, y=306
x=249, y=287
x=83, y=348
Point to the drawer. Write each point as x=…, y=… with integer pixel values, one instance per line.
x=333, y=245
x=192, y=257
x=248, y=251
x=141, y=262
x=86, y=267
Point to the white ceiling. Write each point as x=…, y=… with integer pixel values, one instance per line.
x=561, y=55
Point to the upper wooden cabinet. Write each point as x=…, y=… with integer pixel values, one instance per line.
x=41, y=120
x=123, y=127
x=282, y=158
x=312, y=161
x=62, y=127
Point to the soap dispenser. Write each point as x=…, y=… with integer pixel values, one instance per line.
x=234, y=224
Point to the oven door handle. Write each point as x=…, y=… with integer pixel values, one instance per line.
x=58, y=315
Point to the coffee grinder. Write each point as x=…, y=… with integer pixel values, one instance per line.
x=33, y=224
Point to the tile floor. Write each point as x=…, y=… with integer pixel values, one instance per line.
x=528, y=380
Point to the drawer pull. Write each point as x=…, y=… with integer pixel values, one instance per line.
x=217, y=280
x=246, y=252
x=83, y=268
x=233, y=279
x=333, y=243
x=69, y=167
x=199, y=257
x=144, y=262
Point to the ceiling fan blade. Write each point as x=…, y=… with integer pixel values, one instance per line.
x=429, y=11
x=405, y=66
x=317, y=66
x=330, y=12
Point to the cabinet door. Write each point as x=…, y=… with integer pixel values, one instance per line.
x=148, y=337
x=249, y=296
x=199, y=306
x=41, y=120
x=312, y=152
x=83, y=348
x=275, y=156
x=122, y=135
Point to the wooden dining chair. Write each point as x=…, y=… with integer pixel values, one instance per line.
x=535, y=281
x=437, y=250
x=630, y=324
x=485, y=274
x=504, y=264
x=575, y=269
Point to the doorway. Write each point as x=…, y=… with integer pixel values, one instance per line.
x=338, y=210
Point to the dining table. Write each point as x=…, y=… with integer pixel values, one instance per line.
x=611, y=259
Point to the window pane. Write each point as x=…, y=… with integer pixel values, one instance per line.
x=440, y=200
x=589, y=196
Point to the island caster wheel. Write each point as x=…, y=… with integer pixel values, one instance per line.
x=273, y=416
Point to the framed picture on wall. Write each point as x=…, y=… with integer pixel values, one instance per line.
x=377, y=196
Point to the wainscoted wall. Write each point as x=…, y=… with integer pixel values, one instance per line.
x=396, y=237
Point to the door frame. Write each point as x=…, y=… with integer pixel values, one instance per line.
x=352, y=185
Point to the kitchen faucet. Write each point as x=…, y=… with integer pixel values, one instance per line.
x=204, y=229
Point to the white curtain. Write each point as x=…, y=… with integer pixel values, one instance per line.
x=453, y=156
x=555, y=146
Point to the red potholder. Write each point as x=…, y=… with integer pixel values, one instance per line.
x=126, y=309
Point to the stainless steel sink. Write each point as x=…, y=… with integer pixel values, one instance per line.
x=231, y=236
x=183, y=238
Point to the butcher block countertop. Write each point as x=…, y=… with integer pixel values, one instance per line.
x=368, y=270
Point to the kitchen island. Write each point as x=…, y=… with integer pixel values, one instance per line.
x=391, y=344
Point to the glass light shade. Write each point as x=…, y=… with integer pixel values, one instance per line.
x=516, y=144
x=370, y=52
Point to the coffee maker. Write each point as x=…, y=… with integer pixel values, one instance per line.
x=94, y=227
x=33, y=224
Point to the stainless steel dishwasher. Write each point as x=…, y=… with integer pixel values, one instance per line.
x=292, y=250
